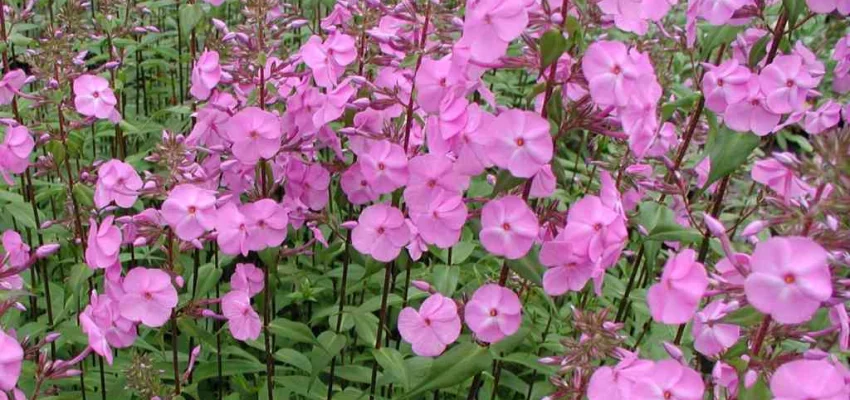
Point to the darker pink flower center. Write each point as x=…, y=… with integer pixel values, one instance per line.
x=668, y=395
x=253, y=134
x=789, y=83
x=95, y=95
x=616, y=70
x=432, y=183
x=720, y=82
x=148, y=296
x=381, y=166
x=493, y=312
x=789, y=279
x=520, y=142
x=192, y=209
x=506, y=226
x=381, y=230
x=597, y=227
x=427, y=321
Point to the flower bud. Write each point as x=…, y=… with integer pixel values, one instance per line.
x=714, y=226
x=421, y=285
x=46, y=250
x=753, y=228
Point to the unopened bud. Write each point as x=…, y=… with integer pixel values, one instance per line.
x=421, y=285
x=46, y=250
x=753, y=228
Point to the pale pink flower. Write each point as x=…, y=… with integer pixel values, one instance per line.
x=432, y=175
x=683, y=282
x=543, y=183
x=568, y=269
x=384, y=166
x=435, y=80
x=11, y=358
x=233, y=229
x=614, y=73
x=266, y=223
x=432, y=328
x=102, y=323
x=104, y=244
x=15, y=151
x=618, y=382
x=327, y=60
x=726, y=83
x=248, y=279
x=719, y=12
x=780, y=179
x=596, y=230
x=17, y=251
x=440, y=222
x=520, y=143
x=808, y=379
x=381, y=232
x=93, y=97
x=825, y=117
x=118, y=182
x=785, y=83
x=190, y=211
x=205, y=75
x=508, y=227
x=752, y=113
x=790, y=278
x=711, y=335
x=149, y=297
x=839, y=319
x=491, y=24
x=308, y=183
x=828, y=6
x=669, y=380
x=243, y=322
x=255, y=134
x=724, y=376
x=11, y=83
x=493, y=313
x=356, y=187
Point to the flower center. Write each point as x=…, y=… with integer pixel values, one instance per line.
x=493, y=312
x=381, y=166
x=148, y=296
x=520, y=142
x=427, y=321
x=95, y=95
x=192, y=210
x=789, y=83
x=381, y=230
x=364, y=183
x=597, y=227
x=789, y=279
x=668, y=395
x=432, y=183
x=506, y=226
x=616, y=70
x=755, y=102
x=720, y=82
x=253, y=134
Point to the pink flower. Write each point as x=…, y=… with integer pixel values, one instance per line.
x=491, y=24
x=711, y=335
x=568, y=270
x=93, y=97
x=11, y=358
x=828, y=6
x=233, y=230
x=104, y=244
x=381, y=232
x=683, y=282
x=724, y=376
x=190, y=211
x=790, y=278
x=117, y=181
x=543, y=184
x=17, y=252
x=726, y=83
x=248, y=279
x=328, y=59
x=719, y=12
x=839, y=319
x=493, y=313
x=11, y=83
x=434, y=81
x=827, y=116
x=508, y=227
x=596, y=230
x=780, y=179
x=669, y=380
x=614, y=73
x=618, y=382
x=523, y=144
x=101, y=321
x=148, y=296
x=266, y=223
x=435, y=326
x=243, y=322
x=785, y=83
x=356, y=187
x=752, y=113
x=441, y=221
x=205, y=75
x=384, y=166
x=15, y=151
x=808, y=379
x=430, y=176
x=653, y=142
x=255, y=134
x=308, y=183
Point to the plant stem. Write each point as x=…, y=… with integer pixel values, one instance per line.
x=388, y=272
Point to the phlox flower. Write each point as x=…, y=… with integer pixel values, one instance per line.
x=248, y=279
x=779, y=178
x=808, y=379
x=432, y=175
x=94, y=98
x=242, y=321
x=11, y=359
x=441, y=221
x=205, y=75
x=520, y=142
x=117, y=181
x=15, y=151
x=493, y=313
x=327, y=60
x=568, y=270
x=618, y=382
x=102, y=322
x=508, y=227
x=711, y=335
x=384, y=166
x=725, y=84
x=381, y=232
x=149, y=297
x=432, y=328
x=785, y=83
x=676, y=297
x=669, y=380
x=255, y=134
x=17, y=251
x=11, y=83
x=104, y=244
x=266, y=222
x=190, y=211
x=491, y=24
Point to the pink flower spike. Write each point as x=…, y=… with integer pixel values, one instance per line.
x=493, y=313
x=683, y=282
x=243, y=322
x=432, y=328
x=381, y=232
x=149, y=296
x=93, y=97
x=104, y=244
x=508, y=227
x=523, y=144
x=790, y=278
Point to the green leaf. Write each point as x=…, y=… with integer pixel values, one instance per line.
x=716, y=36
x=208, y=275
x=79, y=274
x=392, y=363
x=744, y=316
x=294, y=358
x=445, y=279
x=505, y=181
x=190, y=15
x=230, y=367
x=455, y=366
x=22, y=212
x=728, y=150
x=55, y=148
x=552, y=45
x=84, y=195
x=528, y=267
x=366, y=325
x=295, y=331
x=674, y=232
x=354, y=373
x=794, y=8
x=759, y=50
x=461, y=251
x=758, y=391
x=190, y=328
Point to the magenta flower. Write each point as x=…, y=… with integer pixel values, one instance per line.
x=780, y=179
x=809, y=379
x=523, y=144
x=118, y=182
x=15, y=151
x=432, y=328
x=618, y=382
x=785, y=83
x=491, y=24
x=596, y=230
x=148, y=296
x=93, y=97
x=790, y=278
x=17, y=252
x=441, y=221
x=669, y=380
x=11, y=84
x=568, y=270
x=255, y=134
x=205, y=75
x=248, y=279
x=726, y=83
x=493, y=313
x=381, y=232
x=711, y=336
x=327, y=60
x=233, y=229
x=683, y=282
x=752, y=113
x=384, y=166
x=508, y=227
x=11, y=358
x=104, y=244
x=243, y=322
x=101, y=321
x=190, y=211
x=430, y=176
x=266, y=222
